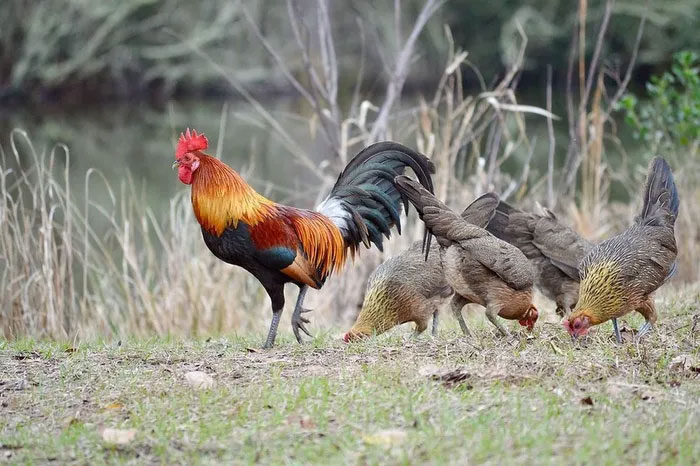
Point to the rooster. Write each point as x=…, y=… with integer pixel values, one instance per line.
x=280, y=244
x=619, y=275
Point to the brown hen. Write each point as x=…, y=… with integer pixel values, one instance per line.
x=553, y=248
x=409, y=288
x=480, y=268
x=620, y=274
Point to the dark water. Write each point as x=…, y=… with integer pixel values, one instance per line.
x=128, y=139
x=139, y=140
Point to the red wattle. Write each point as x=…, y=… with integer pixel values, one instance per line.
x=185, y=174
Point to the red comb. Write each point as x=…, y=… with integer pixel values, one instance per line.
x=189, y=142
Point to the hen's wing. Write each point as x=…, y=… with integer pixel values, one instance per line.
x=503, y=259
x=560, y=244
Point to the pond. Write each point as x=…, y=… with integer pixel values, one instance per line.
x=138, y=140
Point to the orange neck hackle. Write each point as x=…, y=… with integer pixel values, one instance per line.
x=221, y=198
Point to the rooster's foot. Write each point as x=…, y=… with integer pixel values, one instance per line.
x=298, y=323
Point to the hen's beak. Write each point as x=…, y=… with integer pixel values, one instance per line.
x=175, y=164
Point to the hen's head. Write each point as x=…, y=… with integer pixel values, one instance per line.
x=528, y=320
x=188, y=153
x=577, y=324
x=354, y=335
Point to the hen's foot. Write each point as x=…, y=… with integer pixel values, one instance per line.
x=644, y=329
x=616, y=330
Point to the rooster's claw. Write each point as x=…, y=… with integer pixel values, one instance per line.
x=298, y=322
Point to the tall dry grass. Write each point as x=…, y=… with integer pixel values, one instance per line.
x=63, y=274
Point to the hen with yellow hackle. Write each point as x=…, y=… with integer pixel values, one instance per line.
x=620, y=274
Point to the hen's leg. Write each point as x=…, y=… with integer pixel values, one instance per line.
x=435, y=323
x=277, y=297
x=616, y=330
x=457, y=303
x=492, y=315
x=421, y=325
x=648, y=310
x=298, y=320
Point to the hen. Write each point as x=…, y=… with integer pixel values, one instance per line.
x=620, y=274
x=409, y=288
x=553, y=248
x=479, y=267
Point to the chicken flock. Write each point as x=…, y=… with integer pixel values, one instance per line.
x=491, y=255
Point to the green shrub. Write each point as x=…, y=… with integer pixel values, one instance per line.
x=669, y=118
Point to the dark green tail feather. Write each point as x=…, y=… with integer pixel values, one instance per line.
x=366, y=189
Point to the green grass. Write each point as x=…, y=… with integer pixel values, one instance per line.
x=539, y=399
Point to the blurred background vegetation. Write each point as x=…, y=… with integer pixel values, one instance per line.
x=84, y=51
x=92, y=230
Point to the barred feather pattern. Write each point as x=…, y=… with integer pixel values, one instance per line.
x=601, y=293
x=380, y=310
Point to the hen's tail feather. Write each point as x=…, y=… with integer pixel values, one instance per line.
x=500, y=224
x=364, y=202
x=439, y=219
x=482, y=210
x=660, y=195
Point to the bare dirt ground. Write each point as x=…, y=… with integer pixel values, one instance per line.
x=538, y=398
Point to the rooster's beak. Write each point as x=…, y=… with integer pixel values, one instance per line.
x=175, y=164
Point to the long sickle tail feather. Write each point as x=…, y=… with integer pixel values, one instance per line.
x=364, y=202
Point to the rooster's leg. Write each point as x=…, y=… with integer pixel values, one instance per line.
x=616, y=329
x=435, y=323
x=276, y=294
x=457, y=303
x=272, y=333
x=298, y=320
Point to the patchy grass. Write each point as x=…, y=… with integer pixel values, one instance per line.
x=538, y=398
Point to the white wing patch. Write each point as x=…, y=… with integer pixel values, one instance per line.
x=333, y=208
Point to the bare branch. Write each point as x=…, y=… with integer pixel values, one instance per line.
x=291, y=144
x=293, y=13
x=598, y=47
x=525, y=172
x=628, y=74
x=552, y=143
x=330, y=62
x=278, y=59
x=398, y=77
